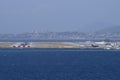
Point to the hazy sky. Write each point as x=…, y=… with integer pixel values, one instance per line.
x=57, y=15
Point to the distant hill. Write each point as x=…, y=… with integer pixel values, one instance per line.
x=115, y=29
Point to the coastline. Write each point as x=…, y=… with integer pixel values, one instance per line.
x=40, y=45
x=63, y=45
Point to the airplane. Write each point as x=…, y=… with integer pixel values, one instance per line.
x=22, y=45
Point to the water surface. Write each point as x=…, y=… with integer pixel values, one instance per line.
x=59, y=64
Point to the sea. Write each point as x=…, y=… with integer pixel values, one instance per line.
x=59, y=64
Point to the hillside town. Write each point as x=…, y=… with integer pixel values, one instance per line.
x=61, y=36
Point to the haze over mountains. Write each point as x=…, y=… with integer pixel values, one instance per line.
x=113, y=29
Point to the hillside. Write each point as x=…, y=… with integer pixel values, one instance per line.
x=115, y=29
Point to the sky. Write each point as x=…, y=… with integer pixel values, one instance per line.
x=17, y=16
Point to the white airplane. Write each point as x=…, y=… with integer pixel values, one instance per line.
x=22, y=45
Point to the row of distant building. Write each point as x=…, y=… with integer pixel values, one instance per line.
x=62, y=36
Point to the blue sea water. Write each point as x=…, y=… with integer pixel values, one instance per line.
x=59, y=64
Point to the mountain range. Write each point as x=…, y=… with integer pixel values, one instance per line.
x=113, y=29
